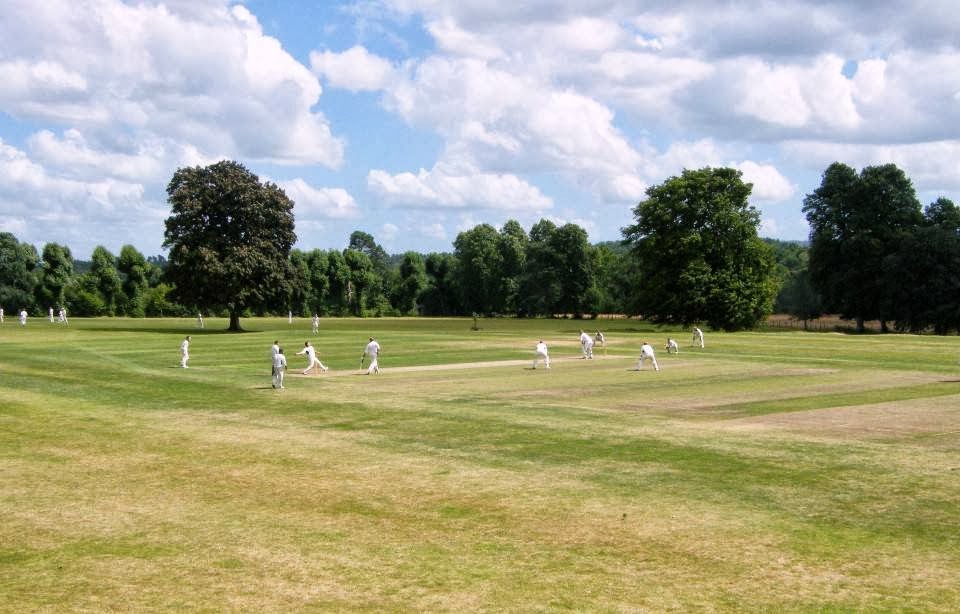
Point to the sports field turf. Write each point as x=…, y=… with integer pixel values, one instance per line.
x=781, y=471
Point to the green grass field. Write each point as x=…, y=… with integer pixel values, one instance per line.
x=779, y=471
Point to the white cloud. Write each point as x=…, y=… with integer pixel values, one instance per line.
x=933, y=166
x=355, y=69
x=66, y=210
x=206, y=77
x=768, y=183
x=312, y=203
x=434, y=231
x=388, y=232
x=449, y=188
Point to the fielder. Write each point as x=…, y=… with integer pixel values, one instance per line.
x=697, y=337
x=23, y=317
x=279, y=367
x=672, y=346
x=199, y=320
x=51, y=315
x=541, y=354
x=586, y=345
x=315, y=324
x=313, y=361
x=646, y=353
x=63, y=316
x=185, y=352
x=373, y=351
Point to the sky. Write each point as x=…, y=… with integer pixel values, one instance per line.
x=414, y=120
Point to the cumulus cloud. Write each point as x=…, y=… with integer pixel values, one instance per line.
x=205, y=75
x=63, y=209
x=768, y=183
x=355, y=69
x=311, y=203
x=446, y=188
x=933, y=166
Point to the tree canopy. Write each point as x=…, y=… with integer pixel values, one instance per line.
x=855, y=222
x=230, y=238
x=698, y=254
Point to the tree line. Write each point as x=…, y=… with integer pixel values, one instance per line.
x=693, y=255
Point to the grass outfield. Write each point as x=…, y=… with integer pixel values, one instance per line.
x=770, y=471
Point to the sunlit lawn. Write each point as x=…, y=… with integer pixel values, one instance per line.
x=770, y=471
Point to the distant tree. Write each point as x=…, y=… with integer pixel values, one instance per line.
x=924, y=273
x=136, y=274
x=375, y=292
x=855, y=222
x=105, y=280
x=540, y=286
x=559, y=276
x=18, y=273
x=411, y=280
x=298, y=292
x=55, y=273
x=230, y=238
x=364, y=281
x=480, y=268
x=798, y=298
x=365, y=243
x=698, y=253
x=441, y=295
x=319, y=283
x=341, y=290
x=513, y=244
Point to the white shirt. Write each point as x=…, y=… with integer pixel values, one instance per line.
x=372, y=349
x=279, y=360
x=585, y=338
x=646, y=350
x=542, y=348
x=274, y=350
x=308, y=350
x=184, y=346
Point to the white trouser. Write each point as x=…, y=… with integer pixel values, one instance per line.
x=649, y=357
x=541, y=356
x=374, y=367
x=588, y=349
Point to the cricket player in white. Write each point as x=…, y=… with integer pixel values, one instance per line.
x=51, y=315
x=199, y=320
x=23, y=317
x=697, y=337
x=586, y=344
x=279, y=367
x=541, y=354
x=315, y=324
x=646, y=353
x=672, y=346
x=63, y=316
x=373, y=352
x=1, y=315
x=312, y=358
x=185, y=352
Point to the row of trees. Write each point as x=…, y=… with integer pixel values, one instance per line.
x=877, y=254
x=127, y=284
x=692, y=255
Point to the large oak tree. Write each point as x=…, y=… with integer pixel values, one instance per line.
x=856, y=220
x=698, y=253
x=230, y=238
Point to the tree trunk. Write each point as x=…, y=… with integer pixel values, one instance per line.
x=235, y=320
x=860, y=327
